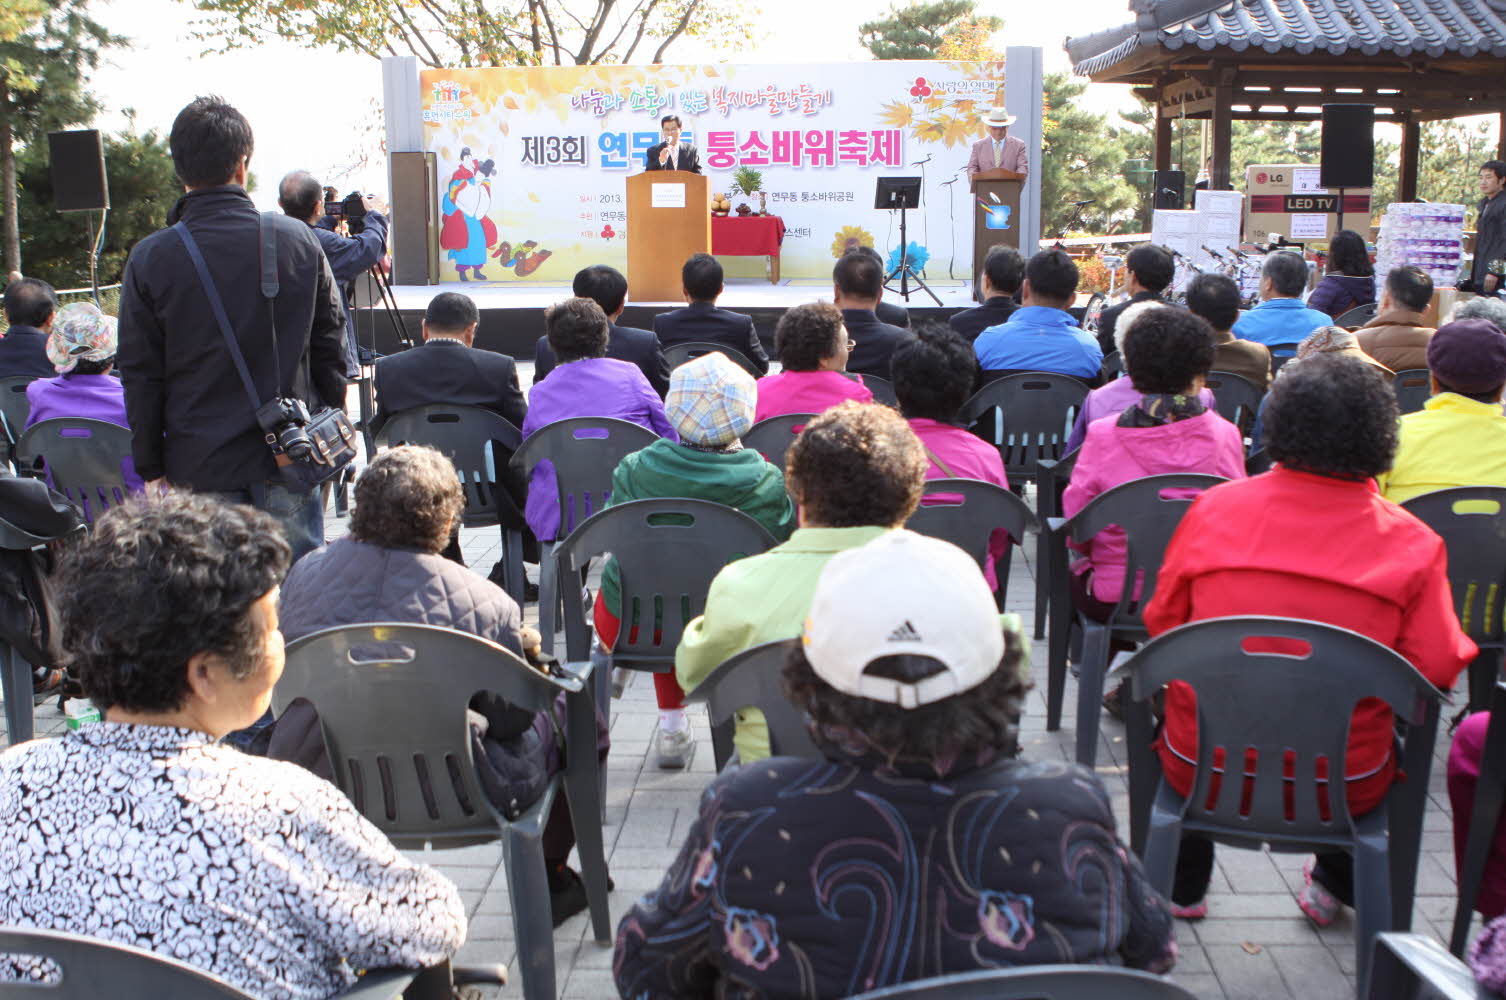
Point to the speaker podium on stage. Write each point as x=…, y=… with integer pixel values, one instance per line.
x=996, y=170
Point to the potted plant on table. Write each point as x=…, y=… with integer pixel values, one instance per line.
x=747, y=182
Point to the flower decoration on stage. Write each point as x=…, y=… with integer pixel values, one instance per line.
x=920, y=89
x=848, y=237
x=919, y=255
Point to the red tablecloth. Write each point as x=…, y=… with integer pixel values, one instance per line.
x=751, y=236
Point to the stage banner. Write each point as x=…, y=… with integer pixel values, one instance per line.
x=532, y=160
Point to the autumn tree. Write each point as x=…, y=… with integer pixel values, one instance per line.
x=942, y=29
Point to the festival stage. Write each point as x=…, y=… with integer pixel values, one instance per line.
x=512, y=313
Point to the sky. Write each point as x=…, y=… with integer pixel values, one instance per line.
x=316, y=109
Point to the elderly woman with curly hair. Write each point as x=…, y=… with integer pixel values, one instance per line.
x=144, y=830
x=921, y=846
x=812, y=345
x=1312, y=538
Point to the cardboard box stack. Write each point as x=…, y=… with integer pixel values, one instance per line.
x=1425, y=234
x=1214, y=222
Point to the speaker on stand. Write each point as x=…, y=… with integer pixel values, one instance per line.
x=1347, y=153
x=77, y=164
x=1170, y=189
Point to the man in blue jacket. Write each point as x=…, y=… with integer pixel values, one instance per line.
x=1041, y=336
x=1281, y=317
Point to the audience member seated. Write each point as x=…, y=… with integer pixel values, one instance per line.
x=1350, y=280
x=30, y=305
x=1398, y=337
x=856, y=471
x=82, y=349
x=1148, y=271
x=1042, y=336
x=702, y=322
x=1281, y=318
x=1117, y=395
x=389, y=569
x=913, y=693
x=999, y=279
x=1458, y=438
x=858, y=281
x=1215, y=297
x=145, y=830
x=1311, y=539
x=710, y=404
x=447, y=369
x=1325, y=341
x=587, y=383
x=934, y=372
x=1464, y=759
x=1167, y=428
x=1481, y=307
x=888, y=311
x=607, y=287
x=813, y=347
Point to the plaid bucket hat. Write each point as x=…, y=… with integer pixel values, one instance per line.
x=711, y=401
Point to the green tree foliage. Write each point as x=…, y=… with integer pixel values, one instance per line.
x=143, y=187
x=1082, y=160
x=943, y=29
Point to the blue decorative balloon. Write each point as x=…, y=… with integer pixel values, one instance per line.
x=918, y=257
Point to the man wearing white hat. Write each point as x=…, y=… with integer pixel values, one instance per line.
x=1000, y=150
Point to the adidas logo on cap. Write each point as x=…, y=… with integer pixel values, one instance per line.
x=905, y=633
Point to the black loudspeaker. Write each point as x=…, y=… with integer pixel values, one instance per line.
x=78, y=170
x=1171, y=189
x=1348, y=151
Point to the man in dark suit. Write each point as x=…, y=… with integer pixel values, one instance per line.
x=1148, y=269
x=702, y=321
x=859, y=284
x=30, y=304
x=608, y=288
x=672, y=154
x=447, y=369
x=1003, y=270
x=892, y=313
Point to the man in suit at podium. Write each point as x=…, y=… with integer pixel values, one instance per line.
x=1000, y=150
x=672, y=154
x=702, y=322
x=608, y=288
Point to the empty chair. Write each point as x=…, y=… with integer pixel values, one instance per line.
x=392, y=702
x=1113, y=366
x=772, y=437
x=1358, y=316
x=14, y=409
x=678, y=354
x=1236, y=398
x=1051, y=479
x=1277, y=692
x=966, y=512
x=1413, y=387
x=1038, y=982
x=88, y=461
x=1032, y=414
x=754, y=679
x=1415, y=966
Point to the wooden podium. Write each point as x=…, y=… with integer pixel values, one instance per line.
x=668, y=219
x=993, y=189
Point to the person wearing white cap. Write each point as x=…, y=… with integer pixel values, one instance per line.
x=999, y=150
x=921, y=846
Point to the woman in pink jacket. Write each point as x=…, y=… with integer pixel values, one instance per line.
x=812, y=346
x=1168, y=352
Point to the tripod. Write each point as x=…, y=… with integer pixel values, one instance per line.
x=906, y=272
x=378, y=290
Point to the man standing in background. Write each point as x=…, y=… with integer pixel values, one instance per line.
x=1490, y=230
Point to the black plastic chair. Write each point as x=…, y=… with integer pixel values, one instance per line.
x=882, y=389
x=1358, y=316
x=753, y=679
x=1415, y=967
x=15, y=408
x=84, y=460
x=1036, y=982
x=1276, y=714
x=1471, y=520
x=773, y=436
x=1280, y=355
x=678, y=354
x=1258, y=461
x=1032, y=414
x=1149, y=519
x=1051, y=479
x=481, y=444
x=1413, y=387
x=968, y=521
x=1236, y=398
x=1490, y=792
x=667, y=553
x=392, y=701
x=584, y=452
x=92, y=968
x=1113, y=366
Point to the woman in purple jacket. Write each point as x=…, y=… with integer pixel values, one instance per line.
x=1350, y=280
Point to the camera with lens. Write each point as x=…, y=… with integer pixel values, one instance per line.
x=355, y=212
x=285, y=422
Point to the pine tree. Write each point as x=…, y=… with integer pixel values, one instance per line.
x=1083, y=160
x=943, y=29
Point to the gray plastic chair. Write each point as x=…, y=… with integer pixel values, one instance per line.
x=584, y=452
x=1033, y=414
x=392, y=701
x=1051, y=479
x=1358, y=316
x=1113, y=366
x=754, y=679
x=1236, y=398
x=1413, y=387
x=882, y=389
x=83, y=459
x=667, y=553
x=969, y=521
x=1415, y=967
x=1281, y=354
x=14, y=409
x=773, y=436
x=1037, y=982
x=1490, y=793
x=1274, y=706
x=1471, y=520
x=1258, y=462
x=678, y=354
x=92, y=969
x=481, y=444
x=1149, y=519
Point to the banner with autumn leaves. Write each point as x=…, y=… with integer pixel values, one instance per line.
x=532, y=160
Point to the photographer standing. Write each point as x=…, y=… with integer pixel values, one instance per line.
x=302, y=197
x=192, y=421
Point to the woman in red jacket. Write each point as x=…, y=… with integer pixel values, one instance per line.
x=1314, y=539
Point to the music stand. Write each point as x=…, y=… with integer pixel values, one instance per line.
x=902, y=193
